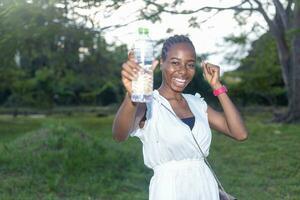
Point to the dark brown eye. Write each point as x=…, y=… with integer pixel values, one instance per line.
x=175, y=63
x=191, y=65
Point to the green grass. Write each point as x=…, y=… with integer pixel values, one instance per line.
x=75, y=157
x=266, y=166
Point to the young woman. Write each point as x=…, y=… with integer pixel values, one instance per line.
x=169, y=125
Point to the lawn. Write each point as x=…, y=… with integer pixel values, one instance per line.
x=74, y=157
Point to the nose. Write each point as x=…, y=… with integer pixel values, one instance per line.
x=182, y=69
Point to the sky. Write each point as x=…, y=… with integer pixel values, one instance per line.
x=207, y=39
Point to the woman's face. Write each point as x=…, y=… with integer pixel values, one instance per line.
x=179, y=67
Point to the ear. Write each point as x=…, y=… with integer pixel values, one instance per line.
x=160, y=63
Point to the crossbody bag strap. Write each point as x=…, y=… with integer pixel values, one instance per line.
x=208, y=164
x=199, y=148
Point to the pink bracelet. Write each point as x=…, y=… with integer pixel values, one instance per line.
x=220, y=90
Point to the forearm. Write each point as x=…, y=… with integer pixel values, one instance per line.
x=233, y=119
x=230, y=122
x=124, y=119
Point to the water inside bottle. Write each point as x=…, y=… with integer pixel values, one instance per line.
x=142, y=86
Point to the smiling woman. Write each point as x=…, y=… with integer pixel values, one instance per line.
x=175, y=125
x=178, y=67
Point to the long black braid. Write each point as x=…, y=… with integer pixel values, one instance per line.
x=171, y=41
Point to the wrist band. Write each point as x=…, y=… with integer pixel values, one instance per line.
x=220, y=90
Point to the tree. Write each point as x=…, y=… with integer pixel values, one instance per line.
x=282, y=18
x=47, y=58
x=284, y=26
x=258, y=80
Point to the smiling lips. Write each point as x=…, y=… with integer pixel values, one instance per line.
x=179, y=82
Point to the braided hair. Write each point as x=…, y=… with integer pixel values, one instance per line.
x=174, y=40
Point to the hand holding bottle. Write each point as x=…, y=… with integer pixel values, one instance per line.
x=130, y=71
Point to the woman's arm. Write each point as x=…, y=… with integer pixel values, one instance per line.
x=129, y=114
x=230, y=121
x=127, y=118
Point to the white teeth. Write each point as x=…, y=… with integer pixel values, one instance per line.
x=180, y=80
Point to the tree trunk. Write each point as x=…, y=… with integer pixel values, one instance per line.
x=294, y=106
x=293, y=73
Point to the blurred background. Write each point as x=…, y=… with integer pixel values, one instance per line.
x=60, y=87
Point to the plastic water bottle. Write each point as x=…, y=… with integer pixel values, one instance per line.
x=142, y=86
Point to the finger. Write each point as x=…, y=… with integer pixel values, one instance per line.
x=215, y=69
x=209, y=68
x=131, y=55
x=204, y=68
x=130, y=69
x=126, y=75
x=212, y=66
x=132, y=66
x=215, y=73
x=154, y=64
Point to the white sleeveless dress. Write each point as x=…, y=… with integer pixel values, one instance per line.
x=180, y=172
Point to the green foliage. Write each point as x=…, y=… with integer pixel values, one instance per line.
x=258, y=80
x=241, y=39
x=48, y=59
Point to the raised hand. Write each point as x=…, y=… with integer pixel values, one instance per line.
x=211, y=73
x=130, y=70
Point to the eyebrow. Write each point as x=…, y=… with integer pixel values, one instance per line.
x=192, y=60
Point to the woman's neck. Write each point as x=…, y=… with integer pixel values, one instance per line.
x=170, y=94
